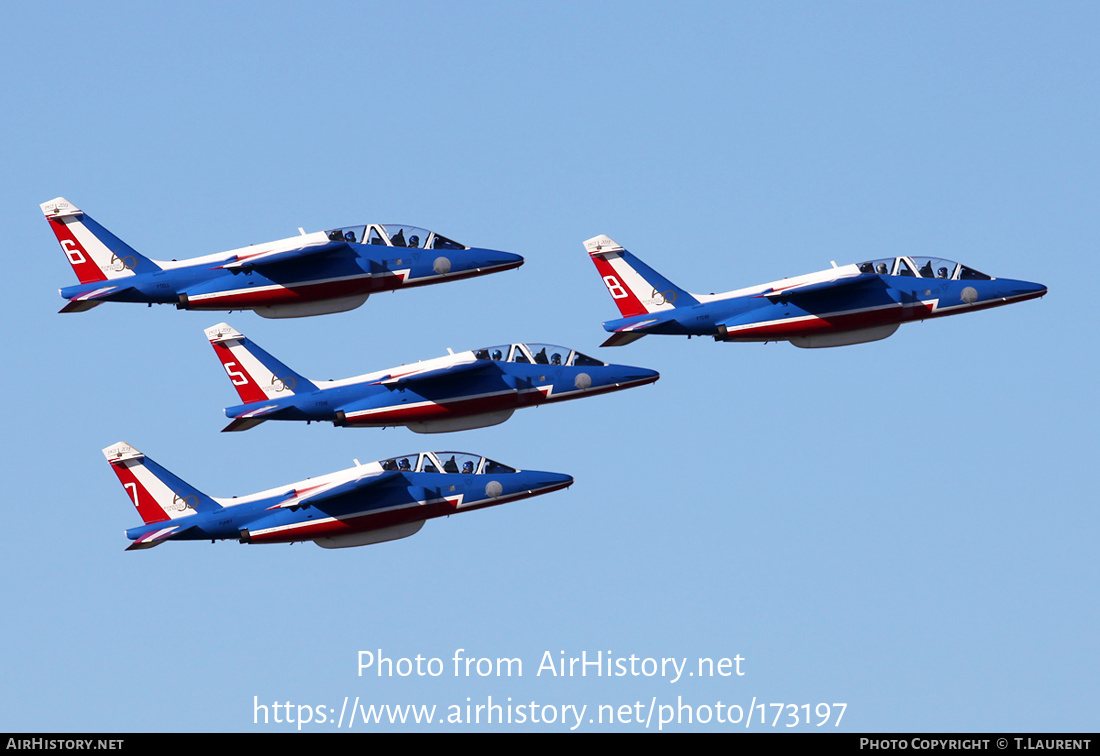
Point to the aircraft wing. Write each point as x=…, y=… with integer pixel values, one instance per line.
x=823, y=287
x=240, y=262
x=309, y=496
x=395, y=382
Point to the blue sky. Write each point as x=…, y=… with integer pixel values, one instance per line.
x=906, y=527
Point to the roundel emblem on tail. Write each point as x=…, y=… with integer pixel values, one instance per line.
x=119, y=264
x=663, y=297
x=280, y=384
x=180, y=503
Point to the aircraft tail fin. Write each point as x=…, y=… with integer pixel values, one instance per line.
x=94, y=252
x=257, y=376
x=636, y=288
x=156, y=493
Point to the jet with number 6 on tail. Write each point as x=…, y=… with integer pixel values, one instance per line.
x=460, y=391
x=365, y=504
x=311, y=274
x=848, y=304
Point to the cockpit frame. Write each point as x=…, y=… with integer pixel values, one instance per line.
x=393, y=235
x=922, y=267
x=450, y=462
x=535, y=353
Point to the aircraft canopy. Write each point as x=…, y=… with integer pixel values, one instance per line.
x=922, y=267
x=537, y=354
x=393, y=235
x=446, y=462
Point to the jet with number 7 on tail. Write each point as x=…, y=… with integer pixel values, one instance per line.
x=459, y=391
x=311, y=274
x=365, y=504
x=848, y=304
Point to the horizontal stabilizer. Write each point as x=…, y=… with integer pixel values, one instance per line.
x=622, y=339
x=80, y=306
x=243, y=424
x=99, y=294
x=242, y=421
x=155, y=538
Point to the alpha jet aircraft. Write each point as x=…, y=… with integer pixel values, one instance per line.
x=372, y=503
x=310, y=274
x=466, y=390
x=847, y=304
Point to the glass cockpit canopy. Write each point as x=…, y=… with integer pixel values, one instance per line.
x=537, y=354
x=459, y=463
x=393, y=235
x=922, y=267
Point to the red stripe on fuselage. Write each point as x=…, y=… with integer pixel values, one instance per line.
x=399, y=415
x=304, y=291
x=411, y=513
x=800, y=325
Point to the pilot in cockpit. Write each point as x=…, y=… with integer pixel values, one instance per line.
x=941, y=273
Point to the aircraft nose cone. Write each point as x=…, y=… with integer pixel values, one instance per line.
x=1021, y=290
x=554, y=481
x=503, y=260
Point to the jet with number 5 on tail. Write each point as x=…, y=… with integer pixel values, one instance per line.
x=462, y=390
x=848, y=304
x=311, y=274
x=365, y=504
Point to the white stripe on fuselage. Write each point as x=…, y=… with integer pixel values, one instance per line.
x=821, y=276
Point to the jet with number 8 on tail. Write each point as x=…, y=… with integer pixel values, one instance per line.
x=848, y=304
x=459, y=391
x=365, y=504
x=311, y=274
